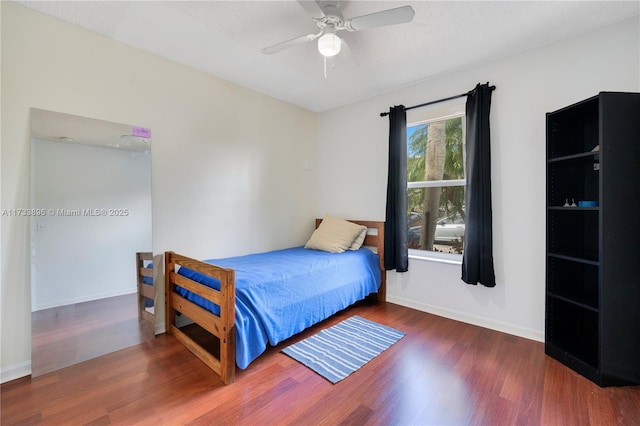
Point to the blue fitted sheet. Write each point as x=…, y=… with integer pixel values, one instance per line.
x=282, y=292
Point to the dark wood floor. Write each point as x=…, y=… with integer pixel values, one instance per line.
x=442, y=372
x=70, y=334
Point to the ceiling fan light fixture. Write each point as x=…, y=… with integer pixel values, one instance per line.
x=329, y=44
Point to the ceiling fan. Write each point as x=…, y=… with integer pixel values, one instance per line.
x=329, y=20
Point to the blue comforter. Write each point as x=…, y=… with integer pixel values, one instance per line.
x=282, y=292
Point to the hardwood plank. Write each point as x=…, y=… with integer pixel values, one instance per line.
x=441, y=372
x=71, y=334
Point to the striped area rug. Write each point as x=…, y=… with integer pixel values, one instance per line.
x=338, y=351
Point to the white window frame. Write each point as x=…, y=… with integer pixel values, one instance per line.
x=437, y=112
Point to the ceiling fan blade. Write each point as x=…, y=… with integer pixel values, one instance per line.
x=312, y=8
x=399, y=15
x=289, y=43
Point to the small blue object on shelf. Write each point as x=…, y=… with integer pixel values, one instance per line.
x=587, y=204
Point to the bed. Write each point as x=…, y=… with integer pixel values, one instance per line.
x=250, y=302
x=146, y=291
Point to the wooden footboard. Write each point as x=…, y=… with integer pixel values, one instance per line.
x=145, y=291
x=222, y=326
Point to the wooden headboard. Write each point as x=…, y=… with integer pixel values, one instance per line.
x=374, y=238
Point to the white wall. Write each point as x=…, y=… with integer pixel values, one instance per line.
x=227, y=165
x=69, y=252
x=352, y=161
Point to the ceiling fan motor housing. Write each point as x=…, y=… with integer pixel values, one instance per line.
x=332, y=14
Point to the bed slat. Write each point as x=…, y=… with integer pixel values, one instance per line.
x=147, y=255
x=202, y=267
x=146, y=272
x=147, y=316
x=208, y=293
x=147, y=291
x=144, y=290
x=200, y=316
x=210, y=360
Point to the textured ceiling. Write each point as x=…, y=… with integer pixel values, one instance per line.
x=225, y=38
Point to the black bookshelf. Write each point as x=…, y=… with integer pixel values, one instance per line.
x=592, y=321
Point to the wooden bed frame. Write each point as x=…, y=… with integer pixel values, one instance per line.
x=223, y=326
x=144, y=290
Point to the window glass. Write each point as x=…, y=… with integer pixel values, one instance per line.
x=436, y=184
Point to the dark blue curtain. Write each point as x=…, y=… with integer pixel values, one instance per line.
x=396, y=255
x=477, y=260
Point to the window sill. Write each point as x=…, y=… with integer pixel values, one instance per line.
x=452, y=259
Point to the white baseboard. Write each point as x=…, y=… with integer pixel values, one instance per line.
x=491, y=324
x=15, y=371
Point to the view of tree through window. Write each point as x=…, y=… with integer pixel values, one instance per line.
x=435, y=190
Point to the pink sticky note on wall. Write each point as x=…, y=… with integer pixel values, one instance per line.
x=141, y=132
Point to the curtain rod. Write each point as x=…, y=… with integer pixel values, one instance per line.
x=383, y=114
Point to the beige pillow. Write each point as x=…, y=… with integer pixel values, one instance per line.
x=359, y=239
x=335, y=235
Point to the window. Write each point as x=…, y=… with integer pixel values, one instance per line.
x=436, y=181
